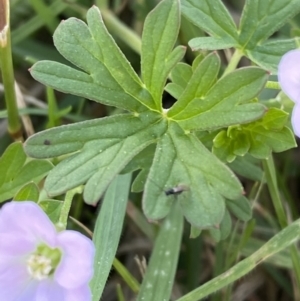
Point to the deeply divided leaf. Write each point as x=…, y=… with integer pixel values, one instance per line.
x=212, y=16
x=158, y=56
x=102, y=149
x=182, y=161
x=205, y=104
x=174, y=164
x=202, y=79
x=260, y=19
x=107, y=76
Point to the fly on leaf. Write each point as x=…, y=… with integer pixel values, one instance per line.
x=176, y=190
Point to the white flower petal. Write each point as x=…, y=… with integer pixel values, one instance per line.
x=79, y=294
x=14, y=281
x=296, y=120
x=26, y=219
x=16, y=245
x=29, y=293
x=23, y=226
x=289, y=74
x=76, y=267
x=49, y=290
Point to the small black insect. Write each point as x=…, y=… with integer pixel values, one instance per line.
x=47, y=142
x=176, y=190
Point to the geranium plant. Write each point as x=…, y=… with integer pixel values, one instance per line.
x=187, y=159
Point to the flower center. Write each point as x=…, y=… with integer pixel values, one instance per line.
x=42, y=263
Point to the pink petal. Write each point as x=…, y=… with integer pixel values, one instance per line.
x=12, y=246
x=29, y=293
x=82, y=293
x=26, y=220
x=296, y=119
x=76, y=267
x=289, y=74
x=14, y=280
x=49, y=290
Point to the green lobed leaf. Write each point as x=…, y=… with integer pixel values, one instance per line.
x=240, y=208
x=174, y=90
x=142, y=161
x=140, y=180
x=203, y=78
x=108, y=231
x=107, y=78
x=258, y=138
x=241, y=145
x=247, y=167
x=270, y=134
x=52, y=208
x=180, y=76
x=102, y=149
x=181, y=159
x=260, y=19
x=222, y=147
x=158, y=281
x=231, y=143
x=224, y=229
x=211, y=16
x=11, y=162
x=275, y=119
x=226, y=225
x=211, y=43
x=16, y=172
x=158, y=57
x=278, y=141
x=220, y=118
x=28, y=192
x=198, y=59
x=235, y=88
x=268, y=54
x=195, y=232
x=259, y=149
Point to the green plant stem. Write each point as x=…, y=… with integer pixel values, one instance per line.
x=45, y=13
x=273, y=85
x=64, y=214
x=14, y=124
x=102, y=4
x=277, y=243
x=23, y=32
x=235, y=59
x=270, y=173
x=120, y=294
x=52, y=108
x=123, y=32
x=126, y=276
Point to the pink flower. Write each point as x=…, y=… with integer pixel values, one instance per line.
x=37, y=262
x=289, y=80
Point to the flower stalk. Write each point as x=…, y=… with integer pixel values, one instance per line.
x=14, y=124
